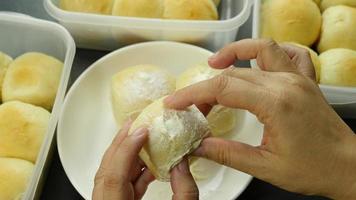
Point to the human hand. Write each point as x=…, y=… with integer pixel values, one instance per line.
x=122, y=175
x=306, y=147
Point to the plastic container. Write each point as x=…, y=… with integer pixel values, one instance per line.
x=20, y=34
x=343, y=99
x=111, y=32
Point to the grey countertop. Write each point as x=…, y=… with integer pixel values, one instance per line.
x=58, y=187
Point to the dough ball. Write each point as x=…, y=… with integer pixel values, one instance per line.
x=5, y=60
x=328, y=3
x=134, y=88
x=291, y=21
x=221, y=120
x=172, y=135
x=33, y=78
x=15, y=174
x=138, y=8
x=338, y=29
x=314, y=57
x=87, y=6
x=338, y=67
x=190, y=9
x=22, y=129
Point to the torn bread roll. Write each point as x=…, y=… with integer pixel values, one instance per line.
x=87, y=6
x=33, y=78
x=222, y=120
x=15, y=175
x=173, y=134
x=190, y=9
x=22, y=130
x=133, y=88
x=5, y=61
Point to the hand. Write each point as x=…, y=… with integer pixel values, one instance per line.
x=306, y=147
x=123, y=176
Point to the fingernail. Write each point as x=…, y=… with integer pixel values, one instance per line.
x=184, y=166
x=213, y=57
x=139, y=132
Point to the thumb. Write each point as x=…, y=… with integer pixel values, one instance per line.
x=237, y=155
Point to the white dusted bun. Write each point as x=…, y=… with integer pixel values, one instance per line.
x=134, y=88
x=87, y=6
x=22, y=129
x=314, y=57
x=291, y=21
x=15, y=175
x=172, y=135
x=338, y=67
x=221, y=119
x=5, y=60
x=328, y=3
x=338, y=29
x=138, y=8
x=33, y=78
x=190, y=9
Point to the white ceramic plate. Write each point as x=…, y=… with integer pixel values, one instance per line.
x=87, y=125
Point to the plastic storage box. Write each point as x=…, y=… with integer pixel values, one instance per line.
x=343, y=99
x=20, y=34
x=111, y=32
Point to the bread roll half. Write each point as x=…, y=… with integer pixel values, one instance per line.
x=5, y=60
x=22, y=129
x=15, y=175
x=172, y=135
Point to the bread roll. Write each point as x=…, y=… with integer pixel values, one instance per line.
x=317, y=2
x=5, y=60
x=328, y=3
x=33, y=78
x=134, y=88
x=217, y=2
x=338, y=67
x=291, y=21
x=87, y=6
x=22, y=129
x=190, y=9
x=338, y=29
x=15, y=175
x=221, y=119
x=172, y=135
x=314, y=57
x=138, y=8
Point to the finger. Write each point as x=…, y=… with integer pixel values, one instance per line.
x=269, y=55
x=142, y=183
x=223, y=90
x=255, y=76
x=182, y=183
x=237, y=155
x=302, y=59
x=117, y=175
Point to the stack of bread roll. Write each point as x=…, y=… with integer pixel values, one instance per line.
x=326, y=26
x=137, y=93
x=28, y=88
x=164, y=9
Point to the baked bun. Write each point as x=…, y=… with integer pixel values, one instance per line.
x=314, y=57
x=291, y=21
x=221, y=119
x=22, y=129
x=317, y=2
x=338, y=29
x=87, y=6
x=134, y=88
x=190, y=9
x=217, y=2
x=328, y=3
x=173, y=134
x=33, y=78
x=138, y=8
x=5, y=60
x=338, y=67
x=15, y=175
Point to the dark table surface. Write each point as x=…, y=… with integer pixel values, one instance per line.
x=58, y=187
